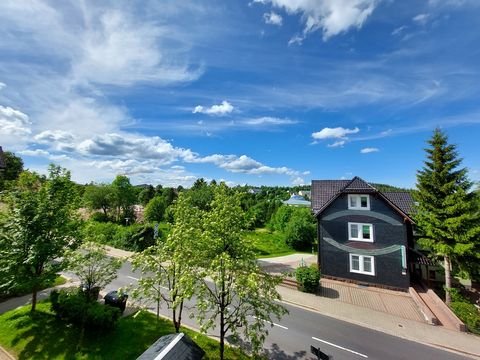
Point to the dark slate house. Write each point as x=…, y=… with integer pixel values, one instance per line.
x=364, y=234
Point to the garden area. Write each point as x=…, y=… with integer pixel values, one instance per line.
x=41, y=335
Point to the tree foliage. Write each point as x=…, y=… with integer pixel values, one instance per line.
x=13, y=169
x=40, y=226
x=155, y=209
x=233, y=288
x=300, y=230
x=124, y=197
x=99, y=197
x=93, y=266
x=447, y=213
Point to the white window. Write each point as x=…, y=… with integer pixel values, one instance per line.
x=360, y=232
x=362, y=264
x=359, y=202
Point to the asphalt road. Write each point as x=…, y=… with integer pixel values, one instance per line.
x=293, y=335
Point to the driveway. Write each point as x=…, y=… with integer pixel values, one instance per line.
x=287, y=263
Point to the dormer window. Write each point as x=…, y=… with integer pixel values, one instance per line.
x=358, y=202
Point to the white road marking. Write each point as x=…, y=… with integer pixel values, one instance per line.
x=133, y=278
x=275, y=324
x=340, y=347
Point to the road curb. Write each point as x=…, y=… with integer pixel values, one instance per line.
x=382, y=330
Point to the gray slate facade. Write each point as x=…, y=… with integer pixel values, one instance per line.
x=366, y=245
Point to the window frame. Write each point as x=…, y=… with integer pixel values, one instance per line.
x=360, y=232
x=361, y=264
x=358, y=198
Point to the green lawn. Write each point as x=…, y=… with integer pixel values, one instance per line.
x=269, y=244
x=42, y=336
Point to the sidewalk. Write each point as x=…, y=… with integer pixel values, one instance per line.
x=463, y=343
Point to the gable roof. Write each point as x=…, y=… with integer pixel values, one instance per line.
x=324, y=192
x=173, y=347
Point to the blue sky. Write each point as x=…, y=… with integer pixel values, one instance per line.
x=262, y=92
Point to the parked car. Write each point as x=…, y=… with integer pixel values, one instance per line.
x=116, y=299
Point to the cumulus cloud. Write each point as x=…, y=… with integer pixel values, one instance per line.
x=14, y=125
x=334, y=133
x=224, y=108
x=332, y=17
x=338, y=133
x=273, y=18
x=369, y=150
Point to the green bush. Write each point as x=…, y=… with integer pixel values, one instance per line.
x=74, y=306
x=135, y=237
x=308, y=278
x=468, y=313
x=155, y=209
x=300, y=230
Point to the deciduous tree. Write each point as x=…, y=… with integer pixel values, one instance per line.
x=233, y=288
x=93, y=266
x=40, y=226
x=170, y=265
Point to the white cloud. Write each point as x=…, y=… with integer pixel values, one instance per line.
x=369, y=150
x=333, y=17
x=267, y=120
x=298, y=181
x=36, y=152
x=104, y=59
x=338, y=143
x=399, y=30
x=421, y=18
x=273, y=18
x=2, y=85
x=15, y=126
x=224, y=108
x=334, y=133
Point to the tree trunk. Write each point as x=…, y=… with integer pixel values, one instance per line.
x=222, y=334
x=448, y=279
x=34, y=298
x=158, y=308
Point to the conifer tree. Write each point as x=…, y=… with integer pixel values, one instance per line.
x=446, y=214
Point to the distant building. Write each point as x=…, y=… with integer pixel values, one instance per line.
x=173, y=347
x=296, y=200
x=3, y=165
x=254, y=191
x=305, y=193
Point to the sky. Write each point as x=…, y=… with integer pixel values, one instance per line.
x=257, y=92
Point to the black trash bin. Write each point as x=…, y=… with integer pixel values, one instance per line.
x=116, y=299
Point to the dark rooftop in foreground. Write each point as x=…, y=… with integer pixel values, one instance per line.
x=173, y=347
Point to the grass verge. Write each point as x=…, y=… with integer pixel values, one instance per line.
x=42, y=336
x=269, y=244
x=59, y=280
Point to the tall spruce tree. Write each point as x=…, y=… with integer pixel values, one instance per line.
x=447, y=214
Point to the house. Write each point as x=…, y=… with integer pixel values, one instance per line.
x=364, y=234
x=296, y=200
x=3, y=165
x=173, y=347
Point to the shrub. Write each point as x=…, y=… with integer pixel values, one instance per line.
x=72, y=305
x=300, y=230
x=308, y=278
x=155, y=209
x=468, y=313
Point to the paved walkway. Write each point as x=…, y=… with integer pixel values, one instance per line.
x=463, y=343
x=391, y=302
